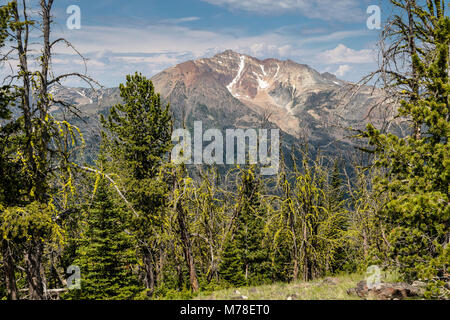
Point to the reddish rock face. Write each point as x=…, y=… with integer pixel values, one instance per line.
x=232, y=90
x=300, y=100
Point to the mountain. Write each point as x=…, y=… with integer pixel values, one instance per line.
x=235, y=90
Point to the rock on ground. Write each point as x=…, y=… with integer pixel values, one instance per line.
x=386, y=291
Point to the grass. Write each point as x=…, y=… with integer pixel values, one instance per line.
x=331, y=288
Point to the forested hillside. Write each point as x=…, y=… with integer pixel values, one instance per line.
x=130, y=223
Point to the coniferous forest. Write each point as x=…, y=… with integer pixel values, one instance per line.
x=135, y=225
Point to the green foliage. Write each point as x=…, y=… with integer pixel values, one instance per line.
x=418, y=166
x=165, y=293
x=9, y=168
x=367, y=244
x=135, y=144
x=140, y=128
x=337, y=203
x=145, y=228
x=320, y=225
x=246, y=258
x=106, y=253
x=232, y=267
x=309, y=228
x=35, y=155
x=136, y=141
x=32, y=223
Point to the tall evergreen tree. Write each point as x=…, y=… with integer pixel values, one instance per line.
x=336, y=202
x=137, y=140
x=232, y=266
x=336, y=185
x=247, y=241
x=106, y=255
x=417, y=166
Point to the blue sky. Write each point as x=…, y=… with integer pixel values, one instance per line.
x=121, y=37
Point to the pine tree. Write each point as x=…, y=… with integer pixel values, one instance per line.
x=140, y=128
x=417, y=166
x=247, y=242
x=336, y=185
x=336, y=202
x=232, y=267
x=106, y=255
x=136, y=141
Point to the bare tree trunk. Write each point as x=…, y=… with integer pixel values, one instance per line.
x=44, y=102
x=291, y=224
x=149, y=270
x=411, y=5
x=365, y=250
x=295, y=247
x=213, y=271
x=246, y=271
x=21, y=37
x=33, y=260
x=305, y=255
x=9, y=270
x=160, y=266
x=187, y=247
x=180, y=275
x=295, y=271
x=36, y=126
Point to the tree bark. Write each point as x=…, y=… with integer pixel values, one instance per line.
x=295, y=247
x=187, y=247
x=43, y=103
x=149, y=270
x=9, y=271
x=33, y=261
x=305, y=254
x=160, y=266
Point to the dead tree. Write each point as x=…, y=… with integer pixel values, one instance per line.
x=39, y=148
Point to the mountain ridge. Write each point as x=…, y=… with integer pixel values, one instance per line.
x=233, y=90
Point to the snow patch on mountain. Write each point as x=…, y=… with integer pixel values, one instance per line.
x=262, y=84
x=83, y=95
x=238, y=76
x=264, y=72
x=278, y=70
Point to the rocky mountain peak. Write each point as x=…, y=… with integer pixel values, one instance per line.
x=232, y=89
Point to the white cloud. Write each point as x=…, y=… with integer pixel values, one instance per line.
x=330, y=10
x=260, y=50
x=342, y=54
x=114, y=52
x=180, y=20
x=180, y=39
x=343, y=70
